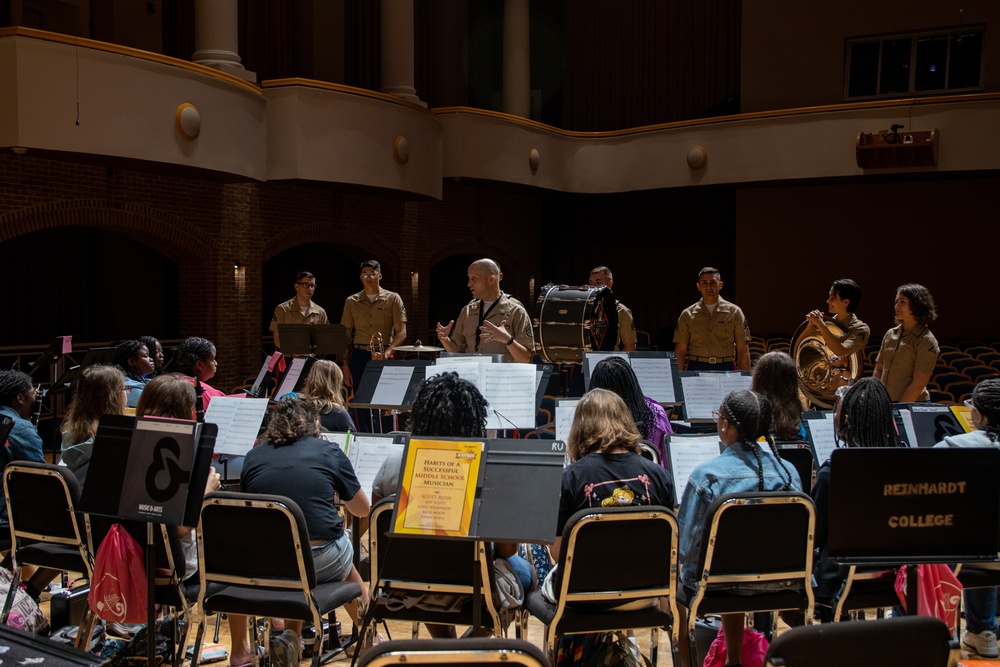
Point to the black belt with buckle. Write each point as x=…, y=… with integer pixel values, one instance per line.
x=360, y=347
x=712, y=360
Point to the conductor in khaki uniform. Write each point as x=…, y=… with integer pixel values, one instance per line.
x=492, y=323
x=712, y=334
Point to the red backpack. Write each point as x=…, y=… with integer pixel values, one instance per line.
x=118, y=589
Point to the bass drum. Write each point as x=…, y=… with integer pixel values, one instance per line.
x=572, y=320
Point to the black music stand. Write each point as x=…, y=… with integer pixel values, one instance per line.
x=318, y=339
x=50, y=355
x=95, y=355
x=931, y=423
x=109, y=488
x=517, y=495
x=892, y=506
x=365, y=389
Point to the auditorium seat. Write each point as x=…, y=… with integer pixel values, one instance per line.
x=960, y=390
x=962, y=363
x=940, y=396
x=979, y=373
x=942, y=380
x=974, y=352
x=988, y=358
x=950, y=357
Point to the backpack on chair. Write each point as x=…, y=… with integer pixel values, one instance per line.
x=118, y=591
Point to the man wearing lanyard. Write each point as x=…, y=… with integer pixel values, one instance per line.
x=492, y=323
x=712, y=335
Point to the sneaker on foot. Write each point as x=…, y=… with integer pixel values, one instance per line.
x=983, y=644
x=283, y=650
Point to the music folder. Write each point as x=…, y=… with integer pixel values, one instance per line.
x=145, y=473
x=517, y=488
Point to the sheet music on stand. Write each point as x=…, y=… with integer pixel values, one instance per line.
x=703, y=391
x=508, y=388
x=655, y=372
x=687, y=452
x=367, y=452
x=931, y=423
x=389, y=384
x=295, y=376
x=591, y=359
x=820, y=433
x=266, y=369
x=238, y=420
x=565, y=411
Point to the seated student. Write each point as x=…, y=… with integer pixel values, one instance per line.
x=155, y=353
x=449, y=406
x=776, y=377
x=98, y=391
x=980, y=634
x=17, y=398
x=744, y=467
x=291, y=460
x=133, y=358
x=195, y=358
x=325, y=383
x=862, y=418
x=615, y=374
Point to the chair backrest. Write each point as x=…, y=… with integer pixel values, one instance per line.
x=41, y=503
x=648, y=451
x=282, y=560
x=454, y=653
x=918, y=641
x=765, y=536
x=425, y=564
x=596, y=565
x=801, y=456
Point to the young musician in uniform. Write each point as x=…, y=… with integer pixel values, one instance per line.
x=373, y=317
x=842, y=303
x=909, y=350
x=601, y=276
x=300, y=309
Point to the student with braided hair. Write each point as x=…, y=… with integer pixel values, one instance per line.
x=195, y=358
x=980, y=634
x=862, y=418
x=134, y=358
x=746, y=466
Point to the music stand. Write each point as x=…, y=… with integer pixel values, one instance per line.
x=892, y=506
x=57, y=348
x=295, y=338
x=517, y=494
x=319, y=339
x=107, y=482
x=95, y=355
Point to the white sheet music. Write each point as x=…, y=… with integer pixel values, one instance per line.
x=591, y=359
x=911, y=433
x=734, y=382
x=656, y=378
x=260, y=376
x=510, y=391
x=368, y=453
x=239, y=422
x=702, y=394
x=340, y=438
x=467, y=369
x=823, y=438
x=565, y=410
x=687, y=452
x=392, y=385
x=291, y=377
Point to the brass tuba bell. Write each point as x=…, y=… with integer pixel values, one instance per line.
x=376, y=346
x=821, y=372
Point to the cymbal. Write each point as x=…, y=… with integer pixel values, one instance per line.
x=418, y=348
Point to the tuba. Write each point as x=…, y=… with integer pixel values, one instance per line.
x=821, y=372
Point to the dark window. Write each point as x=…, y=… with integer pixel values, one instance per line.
x=966, y=63
x=864, y=69
x=895, y=74
x=932, y=60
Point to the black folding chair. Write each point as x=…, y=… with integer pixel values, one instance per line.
x=44, y=529
x=915, y=641
x=599, y=590
x=274, y=579
x=753, y=538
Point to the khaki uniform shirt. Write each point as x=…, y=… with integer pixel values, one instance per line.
x=506, y=308
x=626, y=327
x=364, y=318
x=289, y=313
x=857, y=334
x=712, y=335
x=902, y=355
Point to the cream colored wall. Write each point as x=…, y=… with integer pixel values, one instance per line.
x=792, y=52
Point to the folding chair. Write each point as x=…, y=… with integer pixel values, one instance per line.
x=753, y=538
x=44, y=530
x=275, y=578
x=864, y=587
x=648, y=451
x=980, y=372
x=801, y=456
x=604, y=586
x=427, y=565
x=454, y=653
x=916, y=641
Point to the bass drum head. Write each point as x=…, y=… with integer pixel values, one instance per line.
x=570, y=321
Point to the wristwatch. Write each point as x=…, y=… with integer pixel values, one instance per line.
x=511, y=341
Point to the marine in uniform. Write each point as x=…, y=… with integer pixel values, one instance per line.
x=374, y=318
x=601, y=276
x=712, y=334
x=909, y=350
x=493, y=322
x=300, y=309
x=842, y=303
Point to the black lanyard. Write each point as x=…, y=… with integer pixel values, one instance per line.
x=482, y=318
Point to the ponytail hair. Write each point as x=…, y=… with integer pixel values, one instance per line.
x=750, y=413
